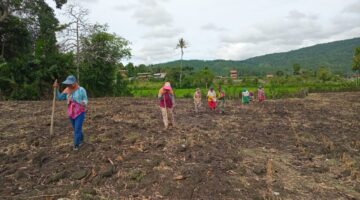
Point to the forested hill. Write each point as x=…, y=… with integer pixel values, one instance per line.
x=337, y=56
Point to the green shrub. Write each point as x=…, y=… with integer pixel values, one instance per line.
x=25, y=92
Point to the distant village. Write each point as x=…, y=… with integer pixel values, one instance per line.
x=233, y=74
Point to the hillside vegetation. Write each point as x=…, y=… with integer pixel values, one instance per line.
x=337, y=56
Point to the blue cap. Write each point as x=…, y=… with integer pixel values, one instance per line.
x=70, y=80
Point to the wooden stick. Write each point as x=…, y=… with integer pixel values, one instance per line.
x=166, y=110
x=53, y=112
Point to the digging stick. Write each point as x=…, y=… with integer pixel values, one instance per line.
x=53, y=112
x=166, y=114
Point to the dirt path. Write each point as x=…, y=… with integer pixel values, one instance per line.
x=284, y=149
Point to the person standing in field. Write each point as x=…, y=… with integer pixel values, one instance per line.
x=245, y=96
x=167, y=101
x=197, y=99
x=211, y=97
x=221, y=98
x=251, y=96
x=261, y=94
x=76, y=101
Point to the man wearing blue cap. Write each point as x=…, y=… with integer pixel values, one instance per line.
x=77, y=101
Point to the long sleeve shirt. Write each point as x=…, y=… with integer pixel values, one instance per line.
x=79, y=96
x=76, y=100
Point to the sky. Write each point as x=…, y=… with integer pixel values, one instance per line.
x=222, y=29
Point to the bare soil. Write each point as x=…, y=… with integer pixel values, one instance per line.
x=285, y=149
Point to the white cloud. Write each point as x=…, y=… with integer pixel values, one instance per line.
x=157, y=51
x=212, y=27
x=224, y=29
x=88, y=1
x=163, y=32
x=291, y=30
x=353, y=8
x=126, y=7
x=151, y=13
x=295, y=31
x=159, y=36
x=153, y=17
x=297, y=15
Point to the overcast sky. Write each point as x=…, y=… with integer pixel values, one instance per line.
x=223, y=29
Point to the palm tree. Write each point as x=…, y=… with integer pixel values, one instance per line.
x=181, y=45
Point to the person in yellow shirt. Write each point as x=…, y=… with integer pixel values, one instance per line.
x=211, y=97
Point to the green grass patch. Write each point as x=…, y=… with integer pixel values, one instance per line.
x=289, y=89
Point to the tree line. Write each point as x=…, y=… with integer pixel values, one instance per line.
x=36, y=49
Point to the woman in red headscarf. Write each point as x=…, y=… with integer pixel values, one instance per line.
x=167, y=102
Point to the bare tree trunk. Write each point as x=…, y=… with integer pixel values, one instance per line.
x=181, y=71
x=4, y=14
x=181, y=66
x=3, y=47
x=77, y=52
x=77, y=27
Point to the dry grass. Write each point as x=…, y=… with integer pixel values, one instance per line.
x=328, y=144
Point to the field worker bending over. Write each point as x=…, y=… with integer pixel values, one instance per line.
x=221, y=98
x=77, y=101
x=197, y=99
x=211, y=96
x=251, y=96
x=245, y=96
x=261, y=94
x=167, y=102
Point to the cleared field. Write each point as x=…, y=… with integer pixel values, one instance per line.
x=283, y=149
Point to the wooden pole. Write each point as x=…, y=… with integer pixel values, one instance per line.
x=53, y=112
x=166, y=114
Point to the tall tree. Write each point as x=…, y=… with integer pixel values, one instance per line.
x=76, y=28
x=279, y=73
x=8, y=7
x=15, y=38
x=102, y=53
x=182, y=44
x=323, y=74
x=131, y=69
x=30, y=51
x=204, y=77
x=296, y=68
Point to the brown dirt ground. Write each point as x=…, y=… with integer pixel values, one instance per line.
x=284, y=149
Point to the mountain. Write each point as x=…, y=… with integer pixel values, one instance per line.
x=336, y=56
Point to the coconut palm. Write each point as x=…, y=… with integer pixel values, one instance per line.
x=181, y=45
